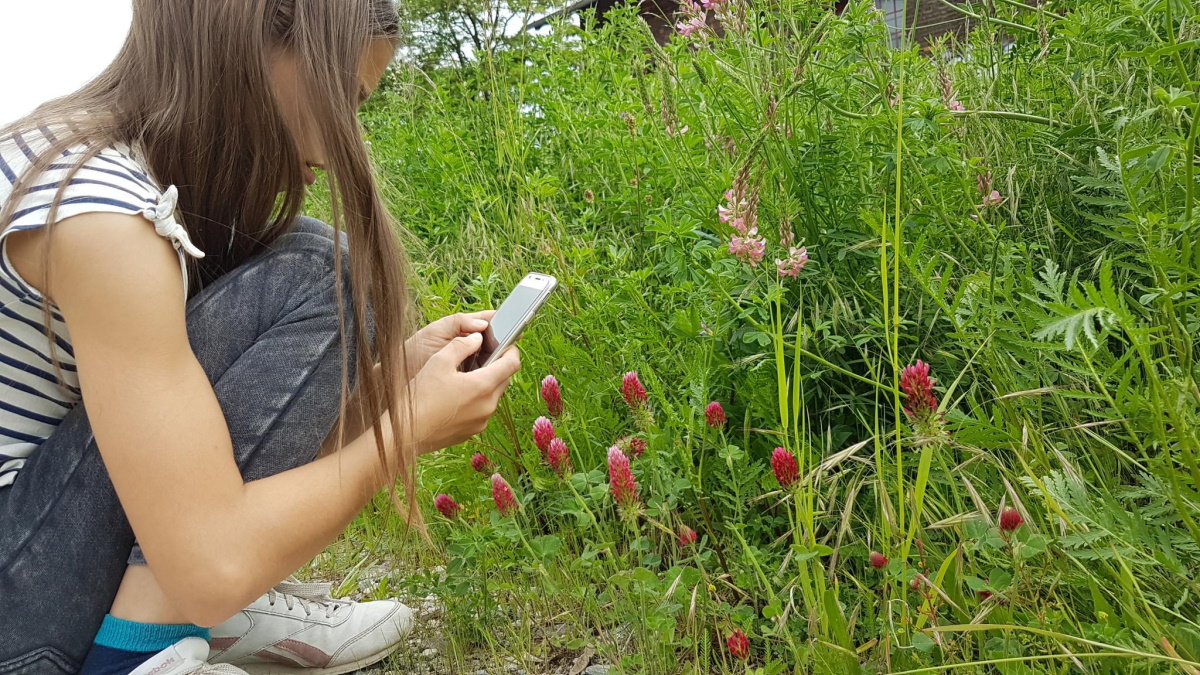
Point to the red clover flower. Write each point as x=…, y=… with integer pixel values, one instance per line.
x=543, y=433
x=559, y=458
x=1010, y=519
x=687, y=536
x=502, y=494
x=878, y=560
x=620, y=476
x=920, y=405
x=632, y=390
x=481, y=463
x=714, y=415
x=739, y=644
x=787, y=470
x=447, y=505
x=552, y=395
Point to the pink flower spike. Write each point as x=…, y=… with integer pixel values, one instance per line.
x=552, y=395
x=620, y=476
x=750, y=249
x=993, y=199
x=796, y=260
x=543, y=433
x=559, y=458
x=502, y=494
x=447, y=506
x=785, y=466
x=714, y=415
x=687, y=536
x=693, y=25
x=481, y=463
x=984, y=183
x=920, y=403
x=632, y=390
x=956, y=106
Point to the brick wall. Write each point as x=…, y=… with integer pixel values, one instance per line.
x=930, y=19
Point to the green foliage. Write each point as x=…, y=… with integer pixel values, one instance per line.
x=1059, y=317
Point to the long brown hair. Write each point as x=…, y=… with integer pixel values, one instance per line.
x=190, y=90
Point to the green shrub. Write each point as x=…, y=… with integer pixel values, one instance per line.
x=1058, y=314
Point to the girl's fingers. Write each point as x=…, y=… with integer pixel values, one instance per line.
x=474, y=322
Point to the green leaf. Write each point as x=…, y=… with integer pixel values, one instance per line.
x=546, y=546
x=999, y=579
x=773, y=609
x=645, y=576
x=731, y=453
x=976, y=584
x=923, y=643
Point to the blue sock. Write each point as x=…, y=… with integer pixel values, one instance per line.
x=122, y=645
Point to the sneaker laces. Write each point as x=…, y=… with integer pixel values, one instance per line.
x=310, y=596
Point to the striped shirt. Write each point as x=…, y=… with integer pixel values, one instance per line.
x=33, y=398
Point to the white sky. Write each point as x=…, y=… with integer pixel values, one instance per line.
x=52, y=47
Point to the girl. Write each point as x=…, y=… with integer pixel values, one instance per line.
x=177, y=346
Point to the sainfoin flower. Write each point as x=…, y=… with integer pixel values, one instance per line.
x=620, y=477
x=632, y=390
x=750, y=248
x=878, y=560
x=543, y=433
x=785, y=466
x=447, y=506
x=481, y=463
x=694, y=18
x=694, y=24
x=920, y=404
x=739, y=644
x=559, y=458
x=796, y=260
x=552, y=395
x=714, y=415
x=740, y=212
x=1010, y=519
x=956, y=106
x=993, y=198
x=502, y=494
x=687, y=536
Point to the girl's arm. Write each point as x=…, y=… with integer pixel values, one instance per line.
x=213, y=542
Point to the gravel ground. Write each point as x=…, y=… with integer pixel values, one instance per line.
x=428, y=652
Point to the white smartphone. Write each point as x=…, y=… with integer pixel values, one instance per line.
x=511, y=318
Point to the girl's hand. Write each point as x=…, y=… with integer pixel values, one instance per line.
x=431, y=339
x=450, y=406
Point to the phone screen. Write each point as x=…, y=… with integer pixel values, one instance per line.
x=512, y=315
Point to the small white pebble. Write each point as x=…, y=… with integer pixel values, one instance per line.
x=429, y=653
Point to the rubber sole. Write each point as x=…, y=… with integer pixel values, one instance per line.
x=280, y=669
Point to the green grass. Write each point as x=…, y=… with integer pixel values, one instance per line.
x=1060, y=325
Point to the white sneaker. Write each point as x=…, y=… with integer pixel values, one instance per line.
x=297, y=629
x=185, y=657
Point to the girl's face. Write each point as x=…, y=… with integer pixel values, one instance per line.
x=292, y=98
